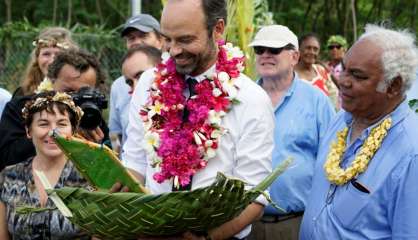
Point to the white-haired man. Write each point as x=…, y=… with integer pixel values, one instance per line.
x=367, y=169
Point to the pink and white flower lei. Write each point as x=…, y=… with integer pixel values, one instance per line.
x=180, y=147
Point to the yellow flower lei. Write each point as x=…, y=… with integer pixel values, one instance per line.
x=335, y=173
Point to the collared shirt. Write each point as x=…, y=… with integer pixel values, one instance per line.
x=119, y=107
x=389, y=210
x=244, y=151
x=5, y=96
x=302, y=118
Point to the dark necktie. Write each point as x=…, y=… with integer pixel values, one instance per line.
x=191, y=83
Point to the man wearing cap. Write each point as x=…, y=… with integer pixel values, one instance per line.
x=302, y=114
x=337, y=45
x=142, y=29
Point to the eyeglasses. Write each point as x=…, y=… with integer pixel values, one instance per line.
x=275, y=51
x=334, y=46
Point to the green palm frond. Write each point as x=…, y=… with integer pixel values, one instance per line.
x=97, y=163
x=129, y=215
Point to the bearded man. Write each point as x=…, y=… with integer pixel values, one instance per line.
x=364, y=186
x=190, y=125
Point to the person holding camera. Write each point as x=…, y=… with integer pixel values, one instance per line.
x=70, y=71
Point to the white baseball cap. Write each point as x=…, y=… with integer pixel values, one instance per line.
x=274, y=36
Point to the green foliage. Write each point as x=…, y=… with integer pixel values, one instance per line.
x=329, y=17
x=413, y=104
x=16, y=45
x=96, y=23
x=244, y=19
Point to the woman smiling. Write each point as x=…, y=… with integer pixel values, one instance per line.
x=20, y=186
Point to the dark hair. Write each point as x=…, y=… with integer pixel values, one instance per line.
x=49, y=108
x=214, y=10
x=306, y=36
x=80, y=60
x=154, y=54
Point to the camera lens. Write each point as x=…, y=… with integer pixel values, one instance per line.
x=91, y=117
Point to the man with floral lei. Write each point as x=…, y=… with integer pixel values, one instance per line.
x=196, y=114
x=365, y=179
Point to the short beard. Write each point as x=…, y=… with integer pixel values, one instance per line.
x=186, y=70
x=200, y=60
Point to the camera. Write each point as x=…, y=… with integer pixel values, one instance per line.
x=92, y=102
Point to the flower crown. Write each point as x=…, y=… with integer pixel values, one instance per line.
x=43, y=100
x=42, y=42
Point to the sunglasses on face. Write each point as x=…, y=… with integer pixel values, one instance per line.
x=274, y=51
x=334, y=46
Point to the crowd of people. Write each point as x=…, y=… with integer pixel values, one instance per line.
x=183, y=110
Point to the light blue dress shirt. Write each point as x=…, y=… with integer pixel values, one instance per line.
x=301, y=119
x=412, y=93
x=5, y=96
x=119, y=107
x=390, y=209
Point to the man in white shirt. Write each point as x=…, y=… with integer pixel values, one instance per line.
x=192, y=29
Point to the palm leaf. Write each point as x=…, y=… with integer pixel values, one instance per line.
x=129, y=215
x=97, y=163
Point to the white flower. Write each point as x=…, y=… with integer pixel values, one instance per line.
x=176, y=182
x=151, y=141
x=216, y=92
x=44, y=86
x=197, y=139
x=180, y=106
x=210, y=153
x=155, y=109
x=223, y=76
x=214, y=117
x=230, y=88
x=233, y=52
x=165, y=56
x=201, y=136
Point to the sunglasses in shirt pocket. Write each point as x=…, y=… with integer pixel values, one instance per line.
x=349, y=203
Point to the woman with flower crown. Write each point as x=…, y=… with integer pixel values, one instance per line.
x=49, y=41
x=197, y=114
x=21, y=186
x=364, y=185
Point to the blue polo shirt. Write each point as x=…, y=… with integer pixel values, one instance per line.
x=301, y=119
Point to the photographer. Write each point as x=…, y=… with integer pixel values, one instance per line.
x=70, y=71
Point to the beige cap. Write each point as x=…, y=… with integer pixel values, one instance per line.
x=274, y=36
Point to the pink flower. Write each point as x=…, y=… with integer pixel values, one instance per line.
x=181, y=156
